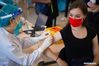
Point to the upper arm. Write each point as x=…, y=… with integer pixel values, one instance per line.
x=95, y=45
x=57, y=36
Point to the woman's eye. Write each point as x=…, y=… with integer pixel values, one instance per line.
x=77, y=16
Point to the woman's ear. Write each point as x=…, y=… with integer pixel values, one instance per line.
x=12, y=22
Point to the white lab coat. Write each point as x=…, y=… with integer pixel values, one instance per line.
x=11, y=51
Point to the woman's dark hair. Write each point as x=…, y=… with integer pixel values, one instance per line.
x=82, y=6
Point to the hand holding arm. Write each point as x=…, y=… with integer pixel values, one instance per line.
x=33, y=40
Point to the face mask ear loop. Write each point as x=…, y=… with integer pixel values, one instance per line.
x=4, y=12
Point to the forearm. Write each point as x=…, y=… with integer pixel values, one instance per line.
x=33, y=47
x=96, y=60
x=47, y=42
x=29, y=41
x=36, y=39
x=50, y=54
x=55, y=57
x=28, y=50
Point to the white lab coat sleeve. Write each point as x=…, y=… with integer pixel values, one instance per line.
x=47, y=42
x=28, y=41
x=16, y=55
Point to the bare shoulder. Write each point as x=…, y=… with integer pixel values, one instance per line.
x=57, y=36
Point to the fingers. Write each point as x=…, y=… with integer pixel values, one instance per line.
x=45, y=34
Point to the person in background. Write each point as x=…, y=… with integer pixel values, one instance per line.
x=11, y=47
x=68, y=3
x=48, y=8
x=80, y=41
x=93, y=15
x=52, y=14
x=67, y=6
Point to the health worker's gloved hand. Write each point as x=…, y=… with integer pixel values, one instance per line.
x=33, y=40
x=44, y=35
x=47, y=43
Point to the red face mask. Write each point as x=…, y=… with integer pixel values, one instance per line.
x=75, y=22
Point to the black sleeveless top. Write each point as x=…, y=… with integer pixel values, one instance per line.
x=75, y=47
